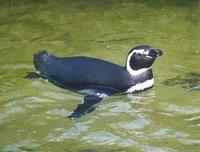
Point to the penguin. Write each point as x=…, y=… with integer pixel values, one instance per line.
x=97, y=79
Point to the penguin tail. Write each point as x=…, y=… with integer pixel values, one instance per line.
x=32, y=75
x=40, y=59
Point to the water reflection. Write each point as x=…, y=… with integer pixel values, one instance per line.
x=26, y=145
x=101, y=137
x=169, y=133
x=189, y=81
x=181, y=110
x=142, y=98
x=129, y=105
x=61, y=134
x=33, y=112
x=17, y=66
x=132, y=125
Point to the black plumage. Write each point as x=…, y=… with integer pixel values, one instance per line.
x=96, y=78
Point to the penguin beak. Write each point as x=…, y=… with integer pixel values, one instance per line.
x=155, y=53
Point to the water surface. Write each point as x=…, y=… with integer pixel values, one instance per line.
x=33, y=112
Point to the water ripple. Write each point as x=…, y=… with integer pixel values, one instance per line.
x=100, y=137
x=181, y=109
x=132, y=125
x=59, y=112
x=147, y=148
x=59, y=135
x=106, y=138
x=165, y=133
x=190, y=141
x=55, y=95
x=18, y=66
x=26, y=145
x=118, y=107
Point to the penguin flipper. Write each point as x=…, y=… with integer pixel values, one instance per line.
x=87, y=105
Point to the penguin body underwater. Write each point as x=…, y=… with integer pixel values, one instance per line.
x=96, y=78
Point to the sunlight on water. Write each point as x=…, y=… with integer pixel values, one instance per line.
x=33, y=112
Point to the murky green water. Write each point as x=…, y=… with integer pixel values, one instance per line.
x=33, y=112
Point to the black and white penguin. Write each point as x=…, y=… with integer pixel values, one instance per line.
x=96, y=78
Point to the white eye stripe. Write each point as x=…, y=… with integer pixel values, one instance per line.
x=141, y=51
x=139, y=71
x=130, y=70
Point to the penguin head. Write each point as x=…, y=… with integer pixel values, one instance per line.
x=141, y=58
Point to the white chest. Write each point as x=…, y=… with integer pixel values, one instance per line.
x=141, y=86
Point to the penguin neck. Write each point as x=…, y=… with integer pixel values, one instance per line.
x=134, y=71
x=141, y=75
x=142, y=80
x=139, y=71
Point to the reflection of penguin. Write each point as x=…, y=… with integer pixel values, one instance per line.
x=96, y=78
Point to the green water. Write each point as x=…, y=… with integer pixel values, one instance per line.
x=33, y=112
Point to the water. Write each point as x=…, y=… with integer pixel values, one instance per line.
x=33, y=112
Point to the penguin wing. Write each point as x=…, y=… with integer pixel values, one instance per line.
x=77, y=73
x=93, y=95
x=86, y=106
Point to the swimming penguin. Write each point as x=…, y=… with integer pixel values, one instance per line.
x=96, y=78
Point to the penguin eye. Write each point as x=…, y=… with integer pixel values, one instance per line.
x=141, y=55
